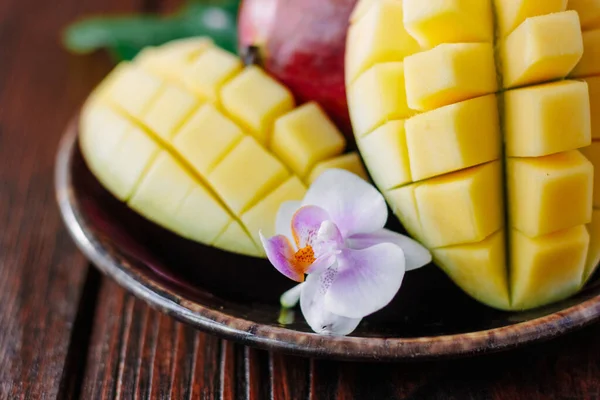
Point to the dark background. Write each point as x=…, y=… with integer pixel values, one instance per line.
x=67, y=332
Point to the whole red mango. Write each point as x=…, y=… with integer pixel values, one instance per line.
x=302, y=43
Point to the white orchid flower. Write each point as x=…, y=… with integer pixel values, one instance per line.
x=335, y=243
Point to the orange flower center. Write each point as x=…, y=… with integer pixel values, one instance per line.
x=304, y=258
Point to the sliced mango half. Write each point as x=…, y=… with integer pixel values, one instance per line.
x=207, y=148
x=480, y=137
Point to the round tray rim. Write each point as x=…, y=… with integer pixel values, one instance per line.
x=290, y=341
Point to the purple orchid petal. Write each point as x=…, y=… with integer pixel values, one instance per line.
x=322, y=263
x=329, y=239
x=312, y=304
x=415, y=254
x=306, y=223
x=281, y=254
x=283, y=222
x=354, y=205
x=366, y=281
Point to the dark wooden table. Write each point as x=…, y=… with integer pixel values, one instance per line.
x=67, y=332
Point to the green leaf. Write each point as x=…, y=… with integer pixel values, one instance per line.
x=125, y=36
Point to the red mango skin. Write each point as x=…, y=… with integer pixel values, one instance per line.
x=302, y=43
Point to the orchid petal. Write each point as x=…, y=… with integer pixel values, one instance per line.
x=280, y=253
x=415, y=254
x=322, y=263
x=354, y=205
x=291, y=297
x=313, y=308
x=366, y=281
x=283, y=222
x=306, y=223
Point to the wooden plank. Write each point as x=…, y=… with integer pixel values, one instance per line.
x=138, y=352
x=288, y=377
x=41, y=272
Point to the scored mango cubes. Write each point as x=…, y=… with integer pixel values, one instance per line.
x=241, y=191
x=477, y=150
x=378, y=36
x=206, y=137
x=434, y=22
x=589, y=11
x=547, y=268
x=548, y=194
x=453, y=137
x=589, y=65
x=547, y=119
x=480, y=267
x=386, y=154
x=511, y=13
x=256, y=113
x=541, y=49
x=378, y=96
x=305, y=136
x=205, y=148
x=449, y=73
x=462, y=207
x=209, y=72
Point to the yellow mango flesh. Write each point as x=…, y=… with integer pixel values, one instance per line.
x=442, y=21
x=455, y=71
x=589, y=10
x=304, y=137
x=546, y=119
x=476, y=145
x=541, y=49
x=197, y=144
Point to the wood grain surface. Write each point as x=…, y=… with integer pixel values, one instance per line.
x=67, y=332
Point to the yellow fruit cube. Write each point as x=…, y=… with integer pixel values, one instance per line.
x=168, y=111
x=378, y=96
x=205, y=138
x=589, y=12
x=102, y=129
x=255, y=100
x=546, y=119
x=200, y=216
x=162, y=190
x=434, y=22
x=386, y=155
x=590, y=62
x=547, y=268
x=403, y=202
x=551, y=193
x=350, y=162
x=305, y=136
x=377, y=37
x=134, y=89
x=449, y=73
x=593, y=256
x=462, y=207
x=209, y=72
x=130, y=160
x=453, y=137
x=262, y=216
x=246, y=174
x=170, y=60
x=592, y=153
x=102, y=92
x=236, y=240
x=511, y=13
x=541, y=49
x=594, y=90
x=479, y=268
